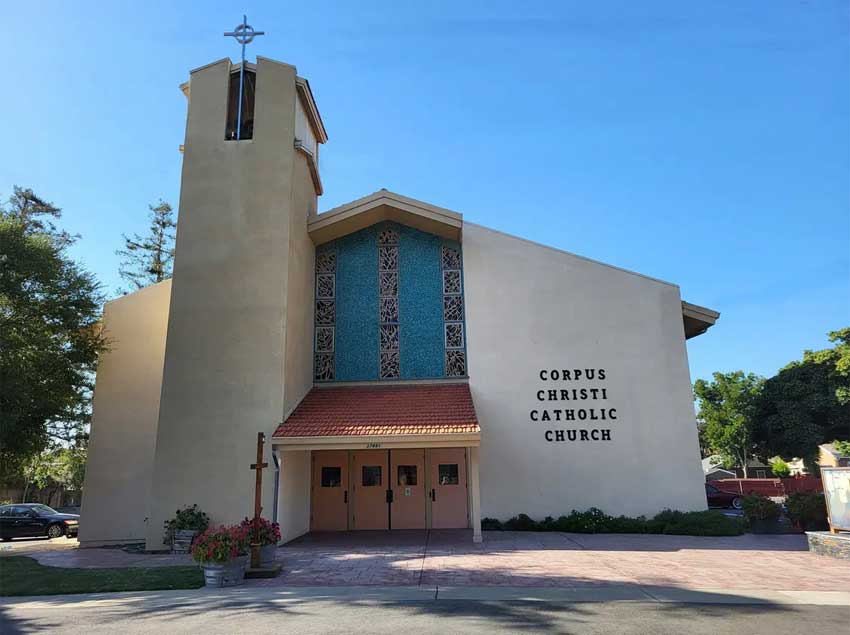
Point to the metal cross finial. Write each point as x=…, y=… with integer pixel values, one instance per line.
x=244, y=34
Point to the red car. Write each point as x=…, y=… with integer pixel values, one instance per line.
x=719, y=498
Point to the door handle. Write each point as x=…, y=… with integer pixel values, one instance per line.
x=389, y=496
x=433, y=495
x=345, y=497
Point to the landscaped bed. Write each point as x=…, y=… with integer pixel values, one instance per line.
x=20, y=575
x=595, y=521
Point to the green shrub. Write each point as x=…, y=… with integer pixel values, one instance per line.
x=807, y=510
x=759, y=508
x=187, y=518
x=491, y=524
x=625, y=525
x=592, y=521
x=842, y=447
x=779, y=467
x=706, y=523
x=595, y=521
x=522, y=523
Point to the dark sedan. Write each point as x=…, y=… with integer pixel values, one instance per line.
x=32, y=520
x=719, y=498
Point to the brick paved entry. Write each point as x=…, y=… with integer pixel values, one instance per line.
x=449, y=558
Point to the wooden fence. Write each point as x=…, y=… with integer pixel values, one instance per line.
x=770, y=486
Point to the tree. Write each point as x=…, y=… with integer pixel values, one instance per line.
x=55, y=469
x=726, y=408
x=779, y=467
x=806, y=403
x=49, y=332
x=148, y=259
x=28, y=209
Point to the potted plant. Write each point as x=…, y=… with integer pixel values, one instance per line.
x=269, y=537
x=761, y=514
x=807, y=510
x=181, y=530
x=222, y=553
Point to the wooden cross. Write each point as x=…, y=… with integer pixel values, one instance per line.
x=258, y=495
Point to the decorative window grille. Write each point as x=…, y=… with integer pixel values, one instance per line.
x=325, y=317
x=455, y=361
x=389, y=335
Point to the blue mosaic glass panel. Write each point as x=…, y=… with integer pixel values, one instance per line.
x=356, y=345
x=420, y=304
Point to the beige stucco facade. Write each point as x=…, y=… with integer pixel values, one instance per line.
x=531, y=308
x=243, y=215
x=202, y=364
x=126, y=411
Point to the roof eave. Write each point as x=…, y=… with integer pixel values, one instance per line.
x=384, y=442
x=697, y=319
x=381, y=206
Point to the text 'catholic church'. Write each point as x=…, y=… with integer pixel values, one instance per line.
x=410, y=369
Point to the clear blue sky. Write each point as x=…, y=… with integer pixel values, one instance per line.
x=704, y=143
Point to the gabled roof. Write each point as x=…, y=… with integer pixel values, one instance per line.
x=831, y=449
x=383, y=411
x=380, y=206
x=384, y=205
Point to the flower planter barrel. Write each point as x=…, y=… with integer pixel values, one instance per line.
x=181, y=540
x=227, y=574
x=267, y=553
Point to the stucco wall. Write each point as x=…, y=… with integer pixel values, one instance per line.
x=294, y=503
x=298, y=374
x=124, y=418
x=224, y=365
x=531, y=308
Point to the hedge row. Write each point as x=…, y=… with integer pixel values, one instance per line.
x=595, y=521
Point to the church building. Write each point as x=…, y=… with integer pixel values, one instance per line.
x=410, y=369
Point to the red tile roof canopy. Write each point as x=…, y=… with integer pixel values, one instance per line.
x=412, y=409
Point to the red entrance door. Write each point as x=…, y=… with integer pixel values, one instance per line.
x=407, y=474
x=370, y=483
x=448, y=488
x=329, y=495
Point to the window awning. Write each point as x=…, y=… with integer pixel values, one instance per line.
x=410, y=415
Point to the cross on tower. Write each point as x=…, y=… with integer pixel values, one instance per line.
x=244, y=34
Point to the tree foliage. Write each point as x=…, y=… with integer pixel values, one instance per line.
x=49, y=332
x=54, y=469
x=148, y=259
x=726, y=410
x=35, y=215
x=779, y=467
x=806, y=403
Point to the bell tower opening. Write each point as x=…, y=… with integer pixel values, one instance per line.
x=249, y=86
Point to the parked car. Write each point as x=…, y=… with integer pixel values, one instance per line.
x=34, y=520
x=720, y=498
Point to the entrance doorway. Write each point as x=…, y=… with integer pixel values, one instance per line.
x=389, y=489
x=370, y=492
x=448, y=488
x=408, y=509
x=329, y=491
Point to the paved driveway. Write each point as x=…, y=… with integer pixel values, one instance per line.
x=523, y=559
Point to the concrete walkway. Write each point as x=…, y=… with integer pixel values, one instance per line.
x=449, y=560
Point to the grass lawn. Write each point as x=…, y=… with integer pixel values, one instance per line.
x=20, y=575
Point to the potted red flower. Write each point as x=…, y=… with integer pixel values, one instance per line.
x=269, y=537
x=222, y=554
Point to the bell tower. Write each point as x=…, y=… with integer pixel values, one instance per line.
x=238, y=350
